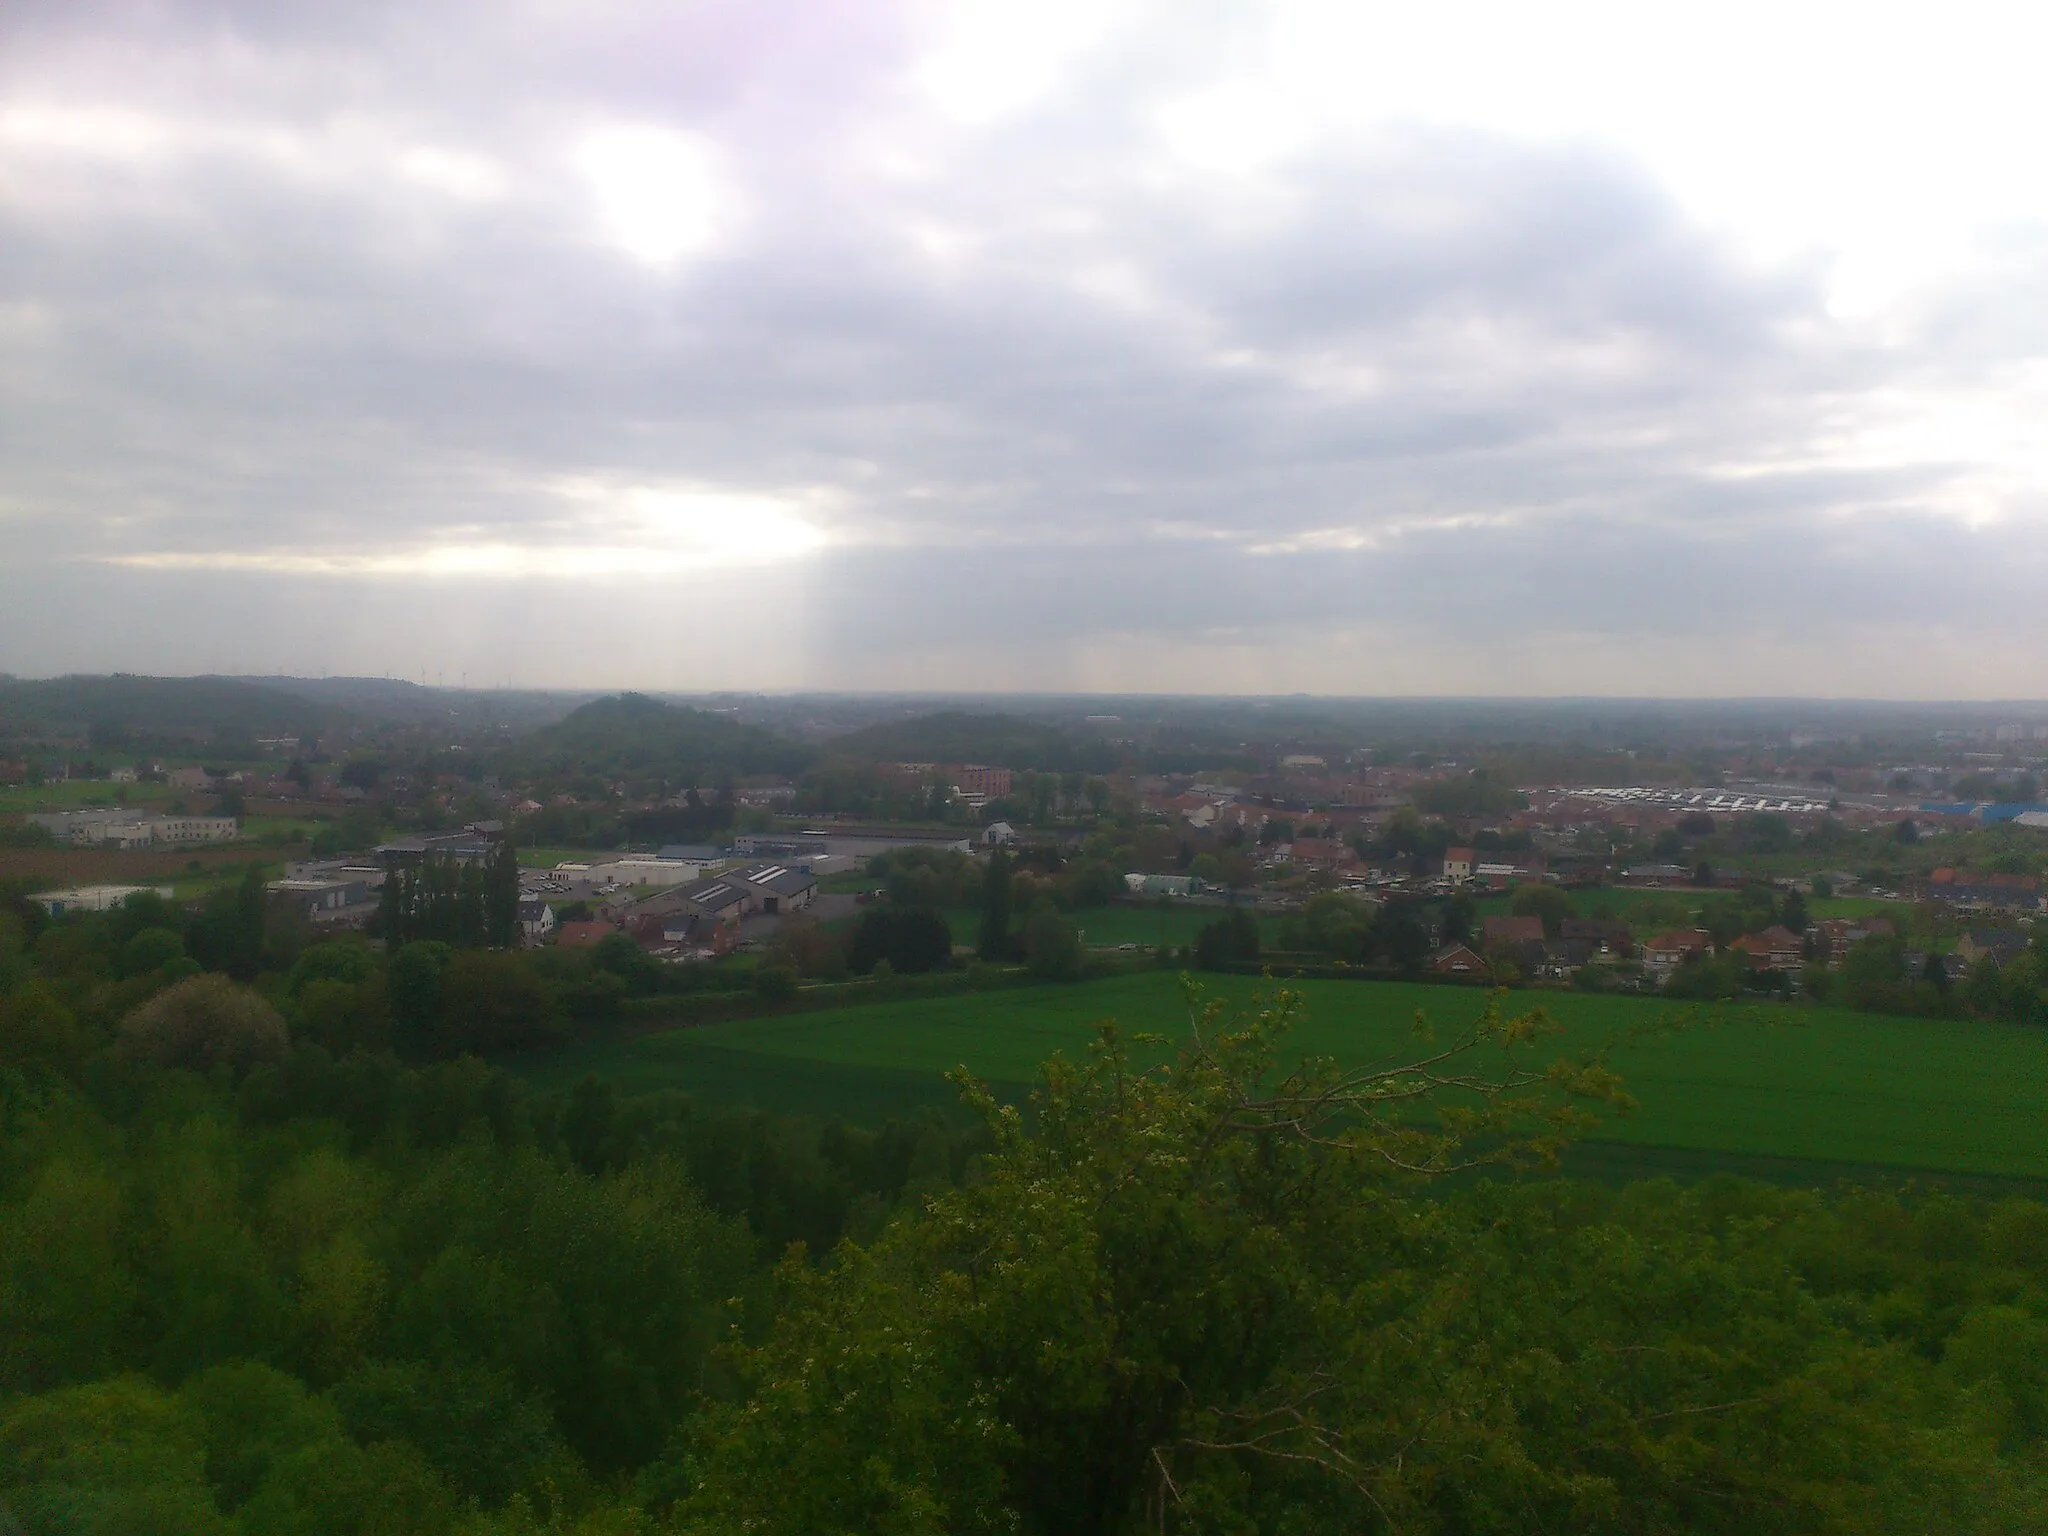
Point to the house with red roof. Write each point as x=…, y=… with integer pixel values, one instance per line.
x=1777, y=948
x=1668, y=951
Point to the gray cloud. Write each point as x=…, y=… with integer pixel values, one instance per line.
x=318, y=283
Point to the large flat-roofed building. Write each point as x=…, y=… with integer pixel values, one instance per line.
x=463, y=847
x=93, y=898
x=330, y=899
x=647, y=871
x=781, y=888
x=194, y=829
x=120, y=827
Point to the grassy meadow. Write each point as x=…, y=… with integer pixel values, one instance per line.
x=1726, y=1084
x=1651, y=910
x=81, y=794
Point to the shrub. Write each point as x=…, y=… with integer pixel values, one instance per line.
x=1052, y=949
x=205, y=1022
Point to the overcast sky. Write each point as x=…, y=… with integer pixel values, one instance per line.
x=1462, y=348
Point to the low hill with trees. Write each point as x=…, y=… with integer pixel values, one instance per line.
x=134, y=713
x=632, y=734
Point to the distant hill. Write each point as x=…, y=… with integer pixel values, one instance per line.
x=394, y=699
x=956, y=736
x=629, y=733
x=125, y=712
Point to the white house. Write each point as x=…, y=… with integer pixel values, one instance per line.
x=997, y=833
x=536, y=919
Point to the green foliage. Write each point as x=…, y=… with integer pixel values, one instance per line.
x=1230, y=940
x=473, y=1425
x=355, y=832
x=1005, y=741
x=150, y=950
x=993, y=942
x=345, y=1489
x=418, y=972
x=453, y=902
x=929, y=877
x=1727, y=918
x=1052, y=946
x=253, y=1419
x=1171, y=1307
x=493, y=1001
x=1709, y=977
x=695, y=820
x=776, y=983
x=1874, y=973
x=309, y=1288
x=1332, y=923
x=229, y=933
x=202, y=1023
x=910, y=939
x=1765, y=832
x=633, y=734
x=159, y=713
x=1544, y=901
x=1478, y=793
x=109, y=1458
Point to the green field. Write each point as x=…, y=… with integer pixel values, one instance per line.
x=1649, y=910
x=77, y=794
x=548, y=858
x=1818, y=1086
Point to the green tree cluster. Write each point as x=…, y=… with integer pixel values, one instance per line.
x=459, y=902
x=910, y=940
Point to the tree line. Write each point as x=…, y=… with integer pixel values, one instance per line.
x=463, y=903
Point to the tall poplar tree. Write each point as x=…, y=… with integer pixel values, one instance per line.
x=994, y=943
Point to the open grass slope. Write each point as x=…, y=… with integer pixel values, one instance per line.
x=1817, y=1085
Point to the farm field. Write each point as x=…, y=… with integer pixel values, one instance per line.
x=77, y=794
x=1652, y=909
x=1816, y=1086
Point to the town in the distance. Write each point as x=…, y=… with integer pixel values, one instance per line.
x=1876, y=856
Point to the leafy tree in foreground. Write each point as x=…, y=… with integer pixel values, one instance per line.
x=1185, y=1293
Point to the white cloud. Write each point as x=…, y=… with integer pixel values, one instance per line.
x=1330, y=284
x=657, y=194
x=459, y=173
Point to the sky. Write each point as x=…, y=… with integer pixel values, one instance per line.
x=1496, y=349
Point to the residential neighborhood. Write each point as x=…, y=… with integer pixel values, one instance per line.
x=1801, y=855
